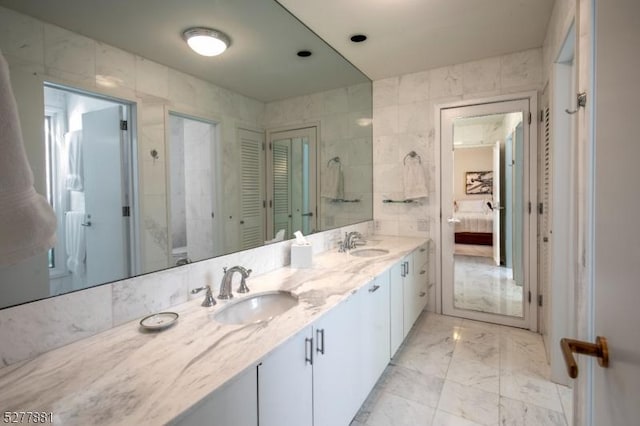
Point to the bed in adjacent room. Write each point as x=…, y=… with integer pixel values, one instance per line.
x=475, y=222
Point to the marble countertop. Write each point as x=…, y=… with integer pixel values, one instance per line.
x=127, y=376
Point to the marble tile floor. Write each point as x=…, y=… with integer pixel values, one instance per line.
x=482, y=286
x=458, y=372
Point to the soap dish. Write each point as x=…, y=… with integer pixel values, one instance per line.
x=159, y=321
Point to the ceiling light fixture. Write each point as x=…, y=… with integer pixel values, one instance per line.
x=205, y=41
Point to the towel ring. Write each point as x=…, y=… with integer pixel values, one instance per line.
x=412, y=154
x=334, y=159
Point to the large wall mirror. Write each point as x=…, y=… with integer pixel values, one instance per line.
x=154, y=156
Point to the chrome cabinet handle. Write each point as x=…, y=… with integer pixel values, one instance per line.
x=87, y=222
x=374, y=288
x=422, y=294
x=423, y=272
x=308, y=350
x=307, y=214
x=320, y=338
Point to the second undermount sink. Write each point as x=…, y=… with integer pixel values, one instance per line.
x=257, y=307
x=369, y=252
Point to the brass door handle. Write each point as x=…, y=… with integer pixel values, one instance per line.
x=598, y=349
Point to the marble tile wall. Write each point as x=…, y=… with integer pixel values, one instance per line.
x=34, y=328
x=403, y=115
x=345, y=131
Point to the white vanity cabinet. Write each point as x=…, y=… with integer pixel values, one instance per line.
x=396, y=308
x=415, y=286
x=234, y=403
x=374, y=332
x=285, y=383
x=336, y=363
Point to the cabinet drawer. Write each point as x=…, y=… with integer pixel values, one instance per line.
x=421, y=255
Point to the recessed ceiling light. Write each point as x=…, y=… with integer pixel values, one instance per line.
x=304, y=53
x=205, y=41
x=358, y=38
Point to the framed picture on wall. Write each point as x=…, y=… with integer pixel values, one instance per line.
x=479, y=183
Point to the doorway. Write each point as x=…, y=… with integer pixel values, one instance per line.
x=194, y=184
x=485, y=208
x=89, y=165
x=292, y=181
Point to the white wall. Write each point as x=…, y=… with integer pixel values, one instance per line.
x=470, y=160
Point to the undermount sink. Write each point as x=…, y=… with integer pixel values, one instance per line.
x=369, y=252
x=255, y=308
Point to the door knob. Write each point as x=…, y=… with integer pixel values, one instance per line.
x=598, y=349
x=453, y=220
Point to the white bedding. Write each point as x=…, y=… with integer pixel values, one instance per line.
x=474, y=216
x=474, y=222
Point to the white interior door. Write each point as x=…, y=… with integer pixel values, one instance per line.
x=511, y=302
x=106, y=231
x=496, y=203
x=612, y=394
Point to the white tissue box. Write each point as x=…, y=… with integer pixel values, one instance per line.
x=301, y=255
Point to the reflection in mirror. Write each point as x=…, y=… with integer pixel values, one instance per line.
x=88, y=178
x=292, y=175
x=488, y=208
x=167, y=197
x=194, y=190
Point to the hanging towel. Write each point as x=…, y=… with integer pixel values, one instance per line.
x=279, y=237
x=75, y=242
x=73, y=143
x=333, y=183
x=27, y=221
x=415, y=183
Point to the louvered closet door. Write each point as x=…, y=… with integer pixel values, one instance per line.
x=282, y=186
x=252, y=223
x=545, y=214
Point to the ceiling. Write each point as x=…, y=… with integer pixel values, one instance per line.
x=261, y=62
x=407, y=36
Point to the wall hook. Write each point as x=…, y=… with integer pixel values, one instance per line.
x=581, y=101
x=154, y=154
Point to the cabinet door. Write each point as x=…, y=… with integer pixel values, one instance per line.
x=396, y=308
x=421, y=274
x=410, y=294
x=234, y=404
x=335, y=366
x=374, y=332
x=285, y=383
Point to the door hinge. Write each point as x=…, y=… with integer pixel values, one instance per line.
x=124, y=125
x=529, y=297
x=529, y=207
x=540, y=208
x=264, y=204
x=270, y=148
x=270, y=203
x=539, y=300
x=126, y=211
x=263, y=146
x=541, y=117
x=529, y=118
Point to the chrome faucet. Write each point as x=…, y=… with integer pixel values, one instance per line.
x=208, y=298
x=225, y=285
x=351, y=240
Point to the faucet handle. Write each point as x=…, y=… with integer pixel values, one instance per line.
x=208, y=298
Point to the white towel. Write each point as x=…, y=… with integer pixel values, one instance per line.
x=279, y=237
x=73, y=143
x=75, y=242
x=415, y=183
x=333, y=182
x=27, y=221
